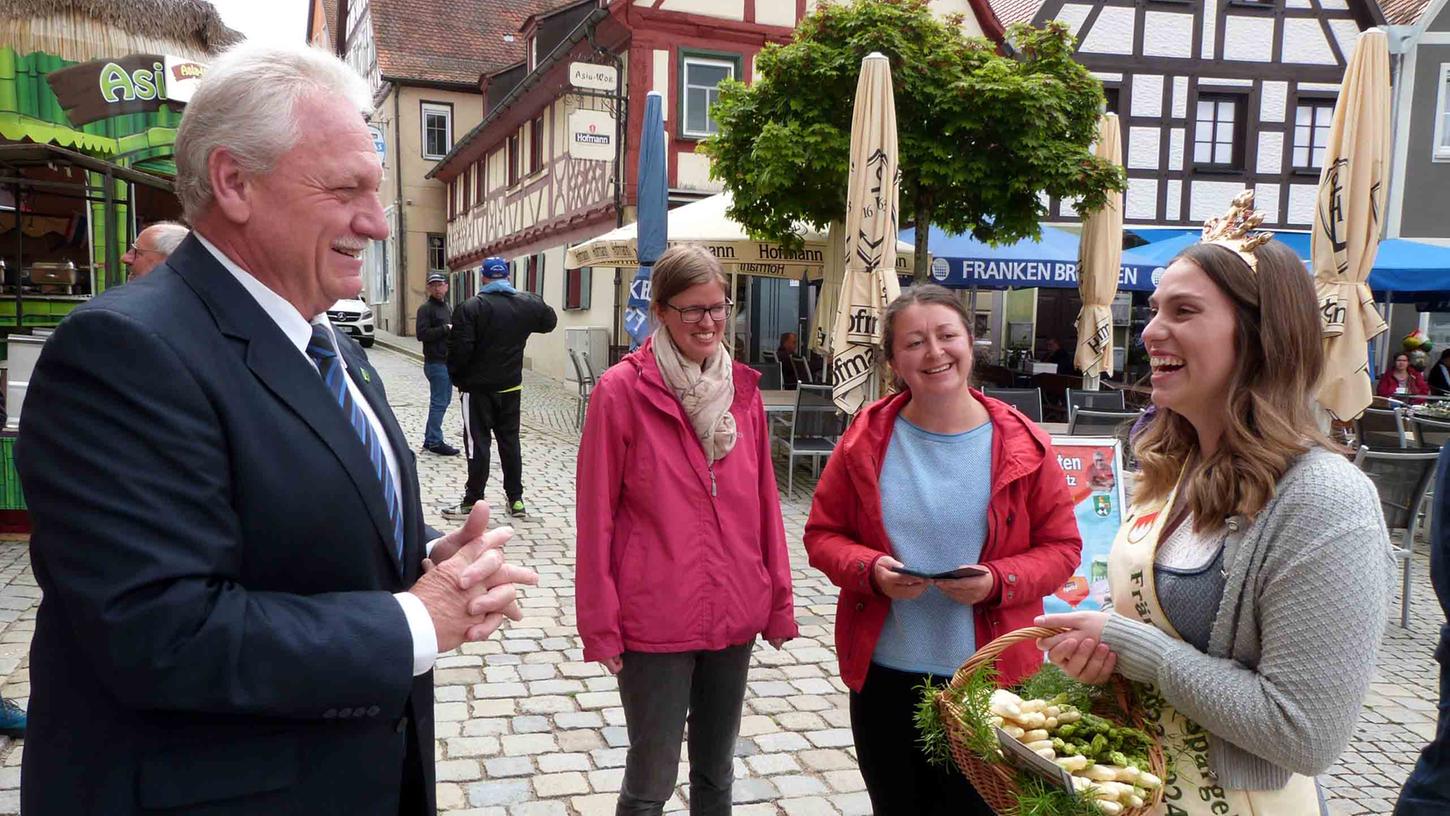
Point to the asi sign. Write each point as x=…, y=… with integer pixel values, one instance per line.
x=593, y=77
x=591, y=135
x=139, y=83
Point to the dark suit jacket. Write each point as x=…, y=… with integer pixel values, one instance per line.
x=217, y=634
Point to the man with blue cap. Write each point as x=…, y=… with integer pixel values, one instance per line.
x=486, y=362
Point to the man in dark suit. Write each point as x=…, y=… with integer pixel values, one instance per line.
x=238, y=615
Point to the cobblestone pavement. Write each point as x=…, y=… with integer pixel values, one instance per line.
x=525, y=728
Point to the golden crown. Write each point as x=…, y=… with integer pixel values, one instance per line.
x=1234, y=229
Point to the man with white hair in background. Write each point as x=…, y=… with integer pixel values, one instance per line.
x=238, y=615
x=151, y=247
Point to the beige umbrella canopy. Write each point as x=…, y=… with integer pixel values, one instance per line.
x=825, y=317
x=83, y=30
x=1099, y=256
x=872, y=192
x=1347, y=225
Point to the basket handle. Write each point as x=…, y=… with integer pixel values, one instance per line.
x=990, y=652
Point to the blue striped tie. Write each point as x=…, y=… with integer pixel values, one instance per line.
x=321, y=350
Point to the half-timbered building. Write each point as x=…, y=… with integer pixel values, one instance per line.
x=1214, y=96
x=554, y=160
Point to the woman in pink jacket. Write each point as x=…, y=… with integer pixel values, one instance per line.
x=681, y=558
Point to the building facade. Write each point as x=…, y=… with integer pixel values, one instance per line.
x=423, y=62
x=1214, y=97
x=554, y=161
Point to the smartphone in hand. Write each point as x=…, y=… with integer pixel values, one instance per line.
x=959, y=572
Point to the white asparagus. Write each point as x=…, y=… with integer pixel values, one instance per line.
x=1073, y=763
x=1148, y=781
x=1034, y=735
x=1101, y=773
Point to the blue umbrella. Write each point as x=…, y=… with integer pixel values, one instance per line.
x=652, y=209
x=961, y=262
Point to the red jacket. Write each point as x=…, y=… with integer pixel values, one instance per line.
x=1387, y=384
x=675, y=555
x=1032, y=544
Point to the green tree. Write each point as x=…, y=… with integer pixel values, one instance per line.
x=980, y=134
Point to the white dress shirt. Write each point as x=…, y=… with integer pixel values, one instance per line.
x=298, y=330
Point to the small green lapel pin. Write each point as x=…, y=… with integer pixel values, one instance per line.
x=367, y=376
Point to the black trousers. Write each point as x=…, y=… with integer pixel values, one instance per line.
x=485, y=413
x=898, y=778
x=1427, y=790
x=660, y=694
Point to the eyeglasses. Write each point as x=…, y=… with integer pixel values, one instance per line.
x=694, y=314
x=139, y=250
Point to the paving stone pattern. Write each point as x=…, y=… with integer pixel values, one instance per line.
x=526, y=728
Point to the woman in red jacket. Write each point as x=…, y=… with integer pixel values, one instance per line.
x=1401, y=381
x=682, y=558
x=933, y=479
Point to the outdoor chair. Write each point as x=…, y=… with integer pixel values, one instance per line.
x=1428, y=434
x=1054, y=389
x=1093, y=422
x=814, y=429
x=586, y=386
x=1094, y=401
x=1381, y=429
x=769, y=375
x=802, y=370
x=1402, y=479
x=1026, y=400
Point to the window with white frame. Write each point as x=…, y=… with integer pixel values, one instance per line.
x=1218, y=131
x=700, y=78
x=1442, y=115
x=437, y=252
x=437, y=129
x=1312, y=118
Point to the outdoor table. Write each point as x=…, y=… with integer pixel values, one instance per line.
x=778, y=402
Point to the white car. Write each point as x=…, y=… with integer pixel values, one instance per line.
x=354, y=317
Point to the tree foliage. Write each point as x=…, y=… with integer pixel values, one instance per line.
x=981, y=135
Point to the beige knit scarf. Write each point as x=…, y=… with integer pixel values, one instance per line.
x=705, y=391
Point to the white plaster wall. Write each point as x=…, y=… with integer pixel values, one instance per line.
x=1171, y=208
x=1143, y=148
x=1141, y=200
x=1112, y=33
x=724, y=9
x=1250, y=39
x=1298, y=4
x=777, y=12
x=694, y=173
x=1273, y=97
x=1074, y=14
x=1334, y=5
x=1210, y=199
x=1266, y=201
x=1176, y=140
x=660, y=78
x=1301, y=203
x=1147, y=95
x=1108, y=76
x=940, y=8
x=1167, y=35
x=1346, y=32
x=1327, y=87
x=1271, y=153
x=1210, y=28
x=1180, y=97
x=1304, y=43
x=1236, y=83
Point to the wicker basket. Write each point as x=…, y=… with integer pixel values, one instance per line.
x=996, y=781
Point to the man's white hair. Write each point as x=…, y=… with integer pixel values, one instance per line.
x=246, y=103
x=166, y=236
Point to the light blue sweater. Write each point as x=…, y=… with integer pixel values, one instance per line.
x=934, y=494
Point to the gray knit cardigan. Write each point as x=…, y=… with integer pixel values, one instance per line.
x=1293, y=646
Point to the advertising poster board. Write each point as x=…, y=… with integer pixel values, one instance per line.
x=1094, y=468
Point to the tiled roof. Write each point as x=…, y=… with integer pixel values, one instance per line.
x=449, y=40
x=1403, y=12
x=1016, y=11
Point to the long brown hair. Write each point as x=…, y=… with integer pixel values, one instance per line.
x=923, y=294
x=1269, y=421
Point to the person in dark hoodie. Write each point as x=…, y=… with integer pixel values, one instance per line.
x=486, y=362
x=1427, y=791
x=432, y=328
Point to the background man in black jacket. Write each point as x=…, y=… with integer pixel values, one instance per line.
x=486, y=361
x=432, y=327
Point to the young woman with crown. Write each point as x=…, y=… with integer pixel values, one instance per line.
x=1250, y=580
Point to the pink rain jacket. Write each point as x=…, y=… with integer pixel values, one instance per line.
x=673, y=554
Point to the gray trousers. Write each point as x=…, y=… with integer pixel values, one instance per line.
x=660, y=693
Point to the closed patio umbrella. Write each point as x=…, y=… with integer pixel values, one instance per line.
x=872, y=192
x=1099, y=256
x=1347, y=225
